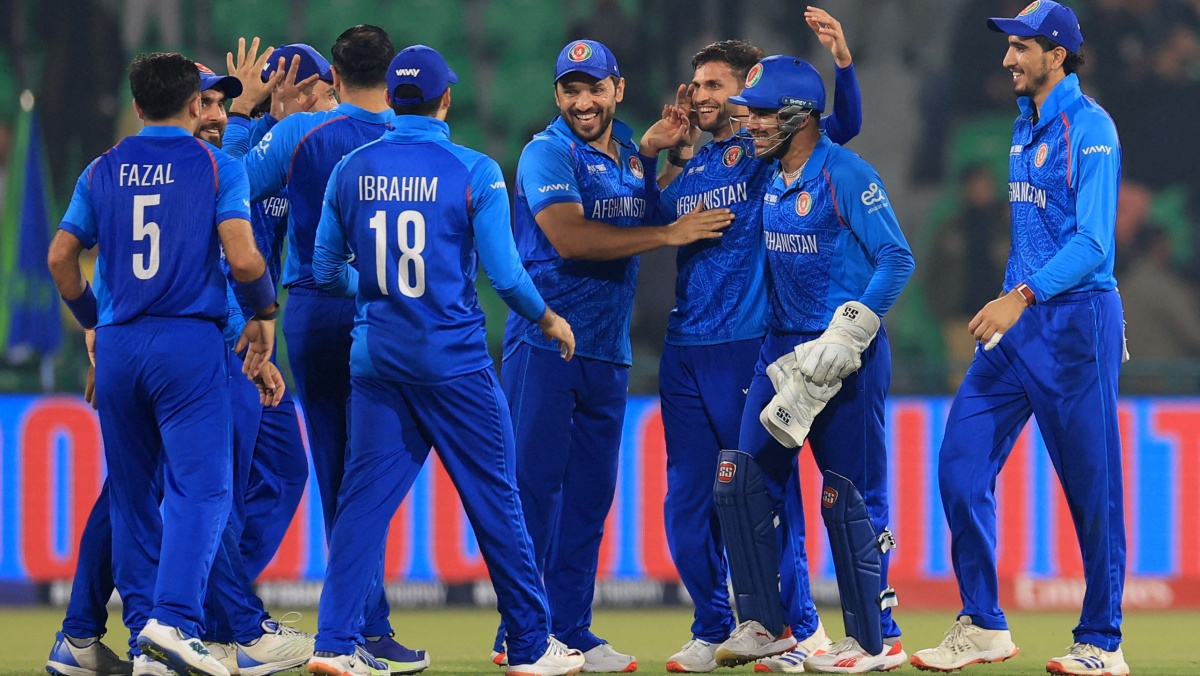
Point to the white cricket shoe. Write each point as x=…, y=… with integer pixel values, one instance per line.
x=144, y=666
x=966, y=644
x=184, y=654
x=1089, y=660
x=605, y=659
x=751, y=641
x=848, y=657
x=792, y=662
x=358, y=663
x=225, y=653
x=558, y=660
x=695, y=657
x=280, y=647
x=93, y=658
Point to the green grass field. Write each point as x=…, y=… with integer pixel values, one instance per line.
x=459, y=640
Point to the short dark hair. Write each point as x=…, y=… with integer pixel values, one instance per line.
x=361, y=55
x=1073, y=61
x=411, y=91
x=163, y=83
x=739, y=54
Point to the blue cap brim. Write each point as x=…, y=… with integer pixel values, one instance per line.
x=598, y=73
x=228, y=85
x=753, y=101
x=1013, y=27
x=453, y=77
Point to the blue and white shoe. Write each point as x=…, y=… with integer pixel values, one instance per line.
x=400, y=660
x=93, y=658
x=144, y=666
x=279, y=648
x=186, y=655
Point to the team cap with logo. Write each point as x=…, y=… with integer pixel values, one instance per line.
x=586, y=56
x=423, y=67
x=1046, y=18
x=311, y=62
x=228, y=85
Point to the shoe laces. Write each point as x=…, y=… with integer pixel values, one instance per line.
x=747, y=628
x=284, y=625
x=696, y=646
x=556, y=647
x=846, y=645
x=1085, y=650
x=956, y=638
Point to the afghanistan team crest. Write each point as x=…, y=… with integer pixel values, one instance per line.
x=635, y=166
x=1031, y=8
x=754, y=75
x=1040, y=158
x=580, y=51
x=733, y=154
x=803, y=204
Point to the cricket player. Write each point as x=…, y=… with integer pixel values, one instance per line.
x=420, y=213
x=714, y=335
x=1051, y=346
x=584, y=191
x=837, y=261
x=161, y=374
x=298, y=154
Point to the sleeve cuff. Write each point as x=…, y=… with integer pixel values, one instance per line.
x=550, y=201
x=82, y=236
x=232, y=214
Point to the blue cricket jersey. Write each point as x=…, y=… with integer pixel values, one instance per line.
x=1064, y=176
x=596, y=297
x=153, y=203
x=419, y=212
x=720, y=291
x=831, y=237
x=298, y=153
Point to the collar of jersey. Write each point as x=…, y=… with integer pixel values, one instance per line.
x=620, y=131
x=351, y=110
x=418, y=128
x=815, y=163
x=1060, y=97
x=164, y=130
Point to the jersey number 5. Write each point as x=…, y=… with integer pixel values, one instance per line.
x=410, y=276
x=145, y=265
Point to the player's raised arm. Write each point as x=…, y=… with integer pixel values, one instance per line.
x=844, y=123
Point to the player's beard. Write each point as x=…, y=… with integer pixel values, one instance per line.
x=597, y=127
x=779, y=149
x=720, y=121
x=1032, y=84
x=212, y=133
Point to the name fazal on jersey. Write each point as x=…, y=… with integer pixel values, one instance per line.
x=144, y=174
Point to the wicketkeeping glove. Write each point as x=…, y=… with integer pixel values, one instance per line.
x=790, y=414
x=780, y=370
x=838, y=352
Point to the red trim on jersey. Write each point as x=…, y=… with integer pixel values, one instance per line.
x=211, y=158
x=292, y=163
x=93, y=167
x=1067, y=133
x=470, y=207
x=833, y=192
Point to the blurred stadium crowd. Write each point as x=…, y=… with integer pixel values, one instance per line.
x=938, y=110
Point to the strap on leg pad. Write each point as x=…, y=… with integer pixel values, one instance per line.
x=857, y=559
x=748, y=523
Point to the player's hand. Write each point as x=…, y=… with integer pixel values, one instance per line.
x=290, y=96
x=555, y=327
x=269, y=382
x=89, y=388
x=997, y=317
x=247, y=67
x=829, y=32
x=700, y=224
x=89, y=339
x=258, y=340
x=683, y=102
x=668, y=132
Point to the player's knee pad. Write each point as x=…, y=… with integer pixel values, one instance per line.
x=748, y=523
x=857, y=559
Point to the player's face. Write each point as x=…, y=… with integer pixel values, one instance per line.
x=212, y=117
x=326, y=96
x=763, y=126
x=713, y=84
x=1029, y=65
x=588, y=105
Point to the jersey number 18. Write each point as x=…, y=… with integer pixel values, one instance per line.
x=410, y=276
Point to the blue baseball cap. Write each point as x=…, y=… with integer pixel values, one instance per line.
x=1046, y=18
x=586, y=56
x=311, y=62
x=779, y=81
x=421, y=66
x=228, y=85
